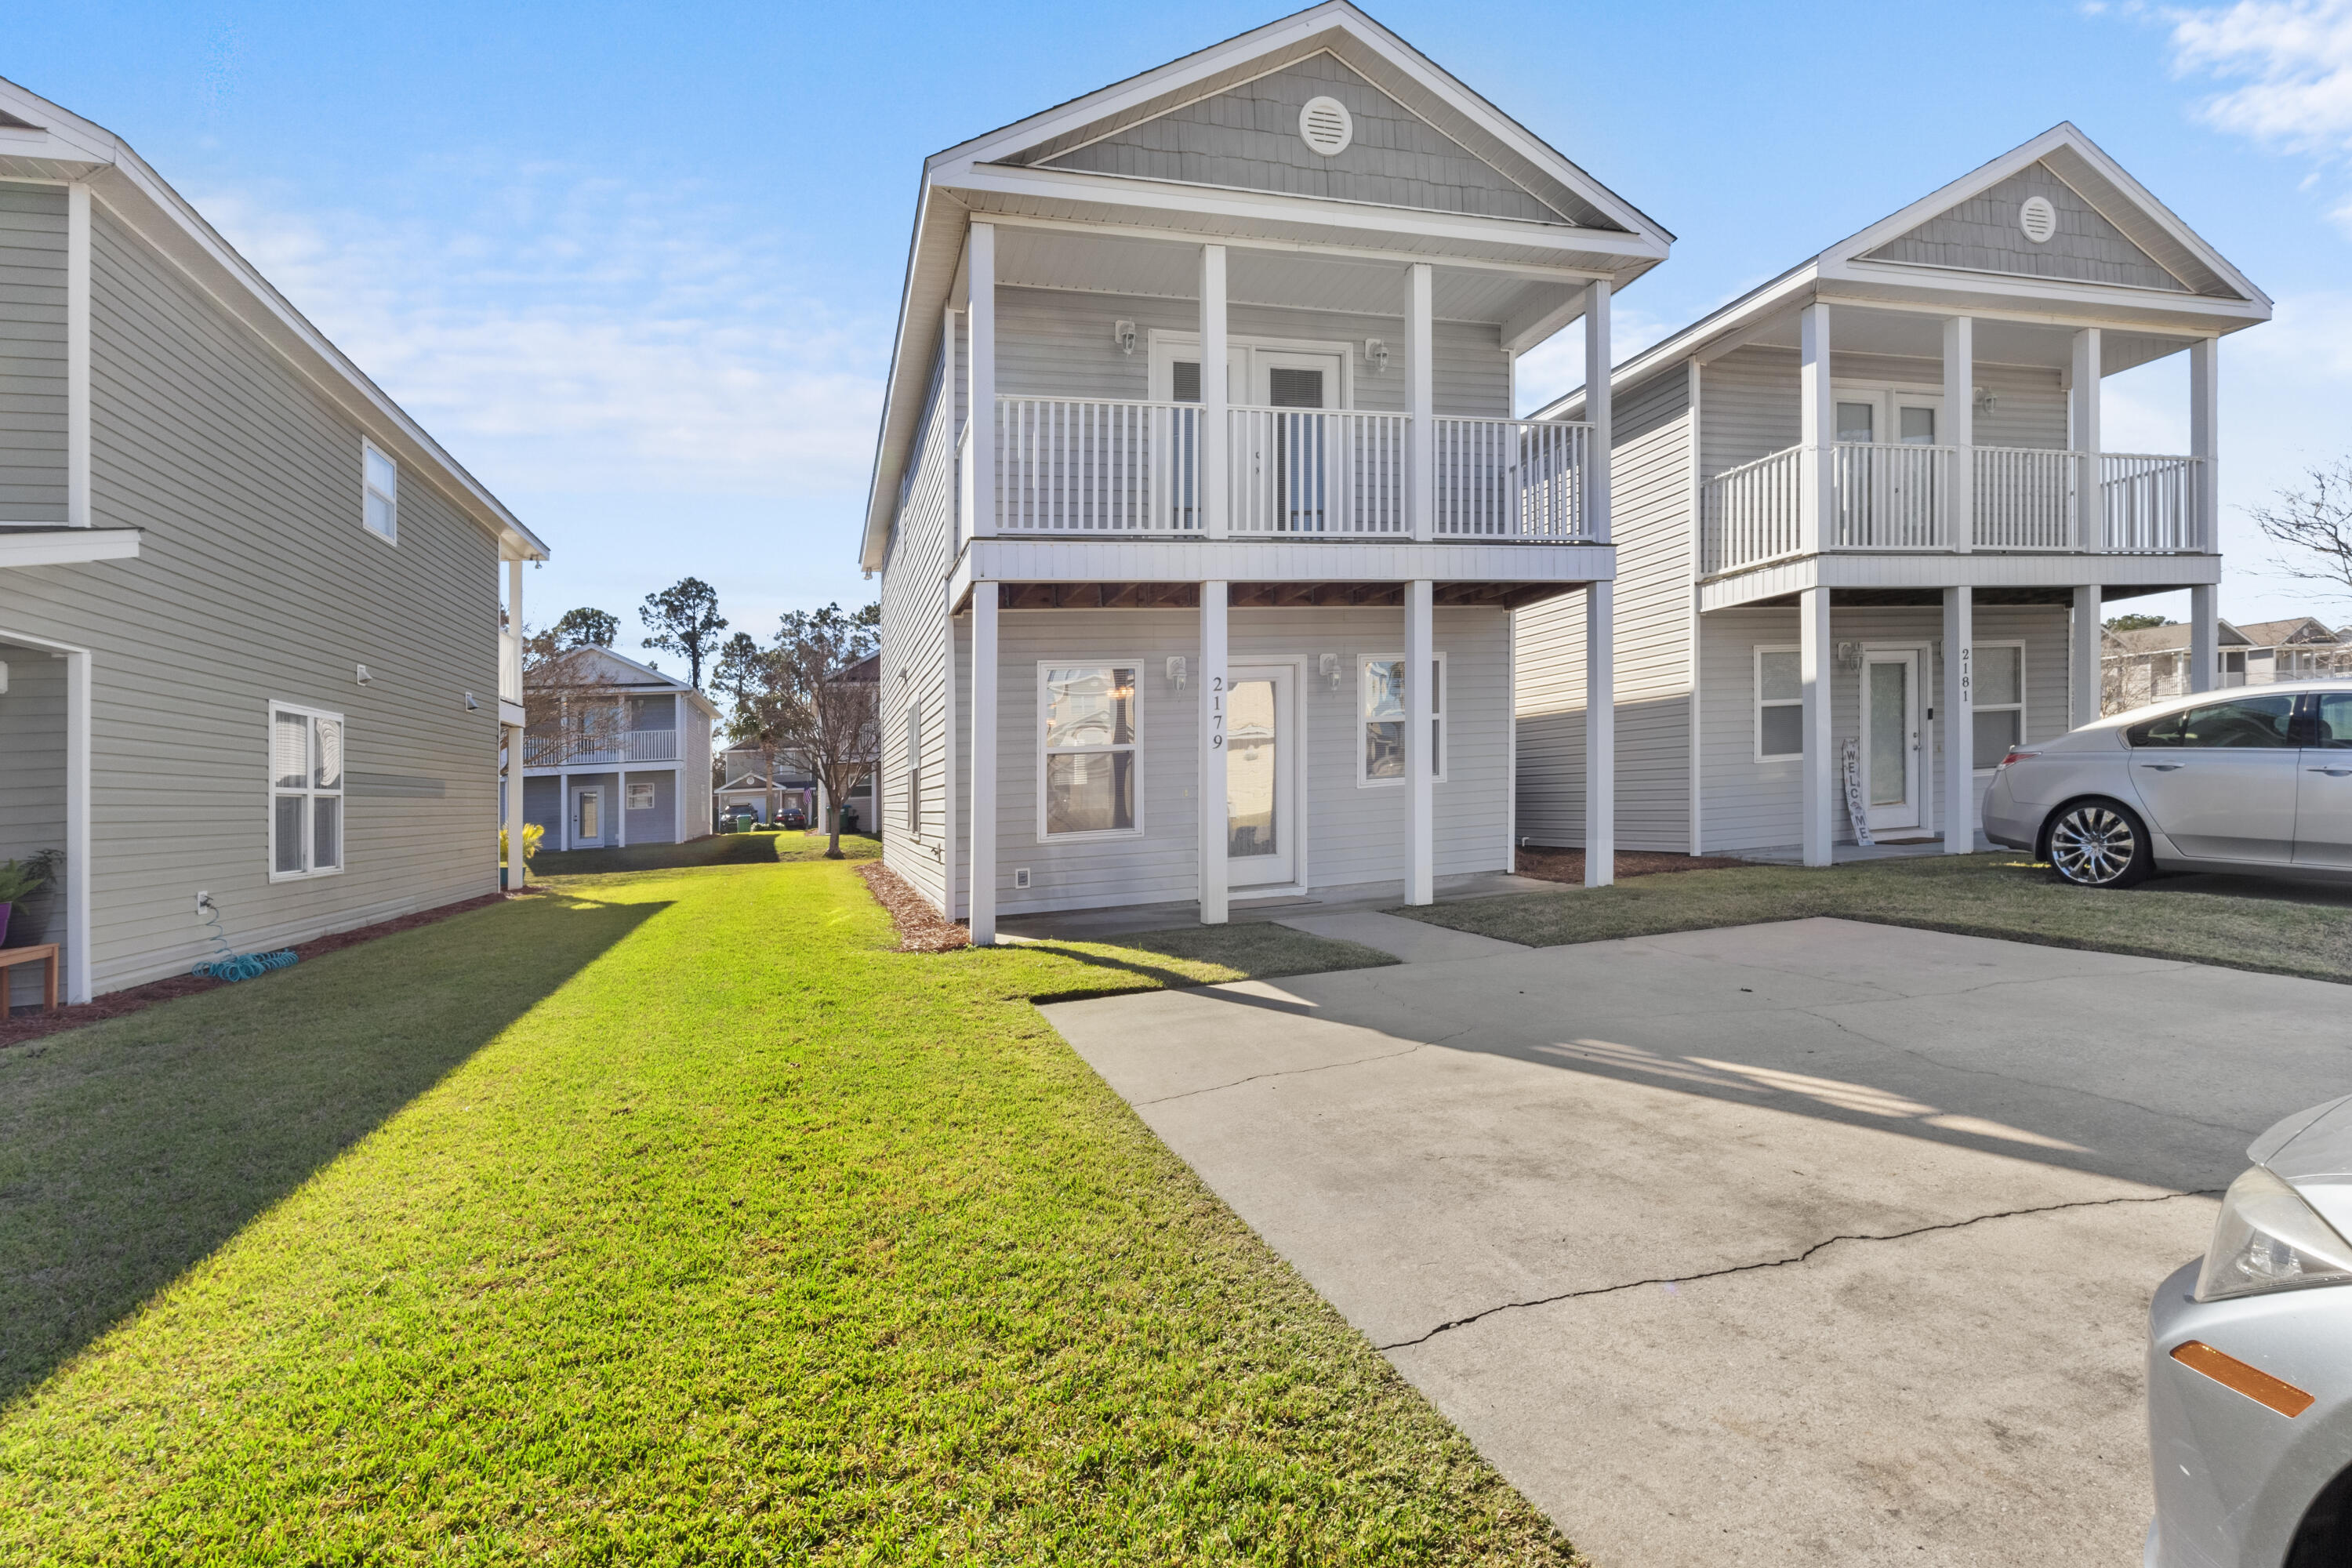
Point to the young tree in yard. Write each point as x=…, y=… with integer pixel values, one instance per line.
x=818, y=703
x=741, y=670
x=684, y=619
x=586, y=627
x=2313, y=529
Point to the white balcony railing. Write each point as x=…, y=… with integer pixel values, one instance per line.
x=588, y=751
x=1511, y=478
x=1065, y=466
x=1891, y=497
x=510, y=667
x=1327, y=471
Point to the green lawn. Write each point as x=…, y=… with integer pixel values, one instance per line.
x=715, y=849
x=2278, y=927
x=672, y=1217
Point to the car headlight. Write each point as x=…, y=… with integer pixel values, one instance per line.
x=2268, y=1238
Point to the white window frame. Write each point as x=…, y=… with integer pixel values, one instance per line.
x=1759, y=703
x=1132, y=662
x=914, y=727
x=309, y=792
x=368, y=490
x=628, y=794
x=1438, y=716
x=1978, y=705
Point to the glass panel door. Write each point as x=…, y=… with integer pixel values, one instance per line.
x=1300, y=463
x=591, y=817
x=1890, y=738
x=1258, y=786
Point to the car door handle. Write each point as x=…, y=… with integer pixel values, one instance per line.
x=2165, y=767
x=2331, y=773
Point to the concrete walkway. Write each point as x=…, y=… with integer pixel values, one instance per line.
x=1809, y=1242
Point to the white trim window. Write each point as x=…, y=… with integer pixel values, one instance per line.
x=1381, y=681
x=1999, y=709
x=915, y=767
x=1780, y=704
x=1089, y=739
x=643, y=795
x=378, y=493
x=306, y=791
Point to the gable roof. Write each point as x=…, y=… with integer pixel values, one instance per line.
x=1926, y=248
x=2171, y=638
x=1152, y=141
x=2304, y=631
x=46, y=143
x=631, y=679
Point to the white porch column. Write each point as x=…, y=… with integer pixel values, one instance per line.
x=2205, y=437
x=1420, y=402
x=2082, y=415
x=984, y=764
x=1216, y=397
x=563, y=811
x=1821, y=769
x=1600, y=735
x=1215, y=829
x=518, y=869
x=1816, y=430
x=1960, y=431
x=1419, y=750
x=947, y=813
x=78, y=512
x=1597, y=411
x=1957, y=712
x=980, y=396
x=2086, y=661
x=2204, y=639
x=621, y=809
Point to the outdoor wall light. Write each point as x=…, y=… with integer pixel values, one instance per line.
x=1986, y=402
x=470, y=704
x=1329, y=666
x=1123, y=334
x=1376, y=354
x=1176, y=670
x=364, y=678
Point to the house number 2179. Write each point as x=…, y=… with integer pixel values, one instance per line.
x=1216, y=712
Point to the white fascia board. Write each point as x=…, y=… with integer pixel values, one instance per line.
x=61, y=546
x=146, y=201
x=1232, y=205
x=1980, y=569
x=997, y=559
x=2091, y=304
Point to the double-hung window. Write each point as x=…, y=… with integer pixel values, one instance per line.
x=306, y=791
x=1780, y=704
x=378, y=493
x=1380, y=758
x=914, y=768
x=1088, y=762
x=1999, y=699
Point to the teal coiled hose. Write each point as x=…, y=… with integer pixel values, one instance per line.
x=235, y=966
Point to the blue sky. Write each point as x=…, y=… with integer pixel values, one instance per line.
x=638, y=266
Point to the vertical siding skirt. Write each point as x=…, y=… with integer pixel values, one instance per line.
x=1600, y=736
x=983, y=763
x=1821, y=767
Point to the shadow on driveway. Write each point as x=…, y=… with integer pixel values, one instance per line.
x=131, y=1148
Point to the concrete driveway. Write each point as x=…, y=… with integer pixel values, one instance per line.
x=1808, y=1243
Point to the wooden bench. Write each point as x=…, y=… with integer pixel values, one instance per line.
x=43, y=953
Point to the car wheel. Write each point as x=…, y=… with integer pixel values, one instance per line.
x=2099, y=843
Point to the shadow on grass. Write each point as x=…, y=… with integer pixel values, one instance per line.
x=131, y=1148
x=1155, y=976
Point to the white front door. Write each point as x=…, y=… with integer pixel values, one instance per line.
x=588, y=817
x=1890, y=738
x=1261, y=756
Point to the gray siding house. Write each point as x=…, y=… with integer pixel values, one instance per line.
x=1198, y=502
x=1865, y=522
x=250, y=611
x=637, y=773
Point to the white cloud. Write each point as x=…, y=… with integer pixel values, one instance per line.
x=2294, y=58
x=568, y=333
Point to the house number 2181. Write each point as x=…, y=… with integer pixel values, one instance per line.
x=1216, y=713
x=1968, y=675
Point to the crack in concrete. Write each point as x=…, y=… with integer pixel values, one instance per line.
x=1297, y=1072
x=1784, y=1262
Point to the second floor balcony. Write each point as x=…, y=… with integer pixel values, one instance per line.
x=1887, y=497
x=591, y=750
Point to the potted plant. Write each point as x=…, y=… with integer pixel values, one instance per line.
x=21, y=881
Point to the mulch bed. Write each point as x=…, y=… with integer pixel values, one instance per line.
x=921, y=928
x=31, y=1023
x=1568, y=865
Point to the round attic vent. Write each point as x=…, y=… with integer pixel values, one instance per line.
x=1325, y=126
x=2038, y=218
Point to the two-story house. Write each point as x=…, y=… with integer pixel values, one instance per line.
x=250, y=629
x=1198, y=502
x=1866, y=523
x=619, y=754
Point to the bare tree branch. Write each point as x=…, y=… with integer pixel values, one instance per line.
x=570, y=702
x=817, y=699
x=2313, y=529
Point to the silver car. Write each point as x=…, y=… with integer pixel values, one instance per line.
x=2243, y=780
x=2250, y=1366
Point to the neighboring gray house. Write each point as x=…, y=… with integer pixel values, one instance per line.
x=2147, y=663
x=1198, y=502
x=249, y=610
x=637, y=772
x=1888, y=453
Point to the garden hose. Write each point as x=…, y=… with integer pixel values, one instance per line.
x=232, y=965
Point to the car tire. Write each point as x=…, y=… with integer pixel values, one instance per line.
x=2098, y=843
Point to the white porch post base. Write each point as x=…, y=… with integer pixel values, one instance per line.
x=518, y=868
x=1600, y=736
x=1958, y=711
x=1821, y=771
x=1215, y=832
x=1420, y=754
x=2086, y=667
x=984, y=764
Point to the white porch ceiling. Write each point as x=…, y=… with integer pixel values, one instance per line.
x=1853, y=329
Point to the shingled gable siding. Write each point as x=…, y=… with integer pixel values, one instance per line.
x=1247, y=137
x=256, y=580
x=32, y=354
x=1982, y=235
